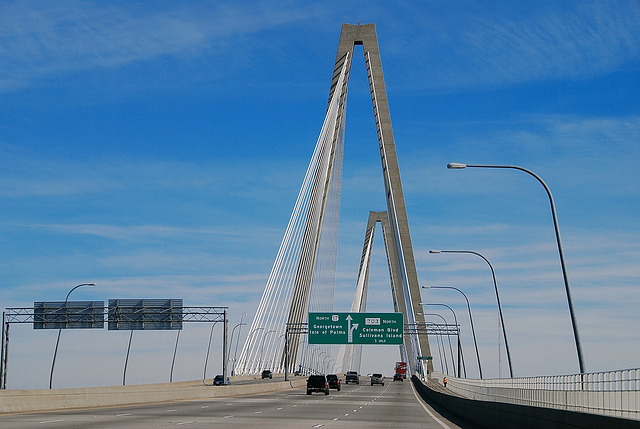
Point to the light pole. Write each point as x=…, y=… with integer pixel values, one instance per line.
x=262, y=345
x=473, y=331
x=248, y=337
x=495, y=286
x=233, y=367
x=457, y=166
x=273, y=358
x=318, y=362
x=438, y=341
x=206, y=359
x=303, y=357
x=443, y=356
x=444, y=353
x=55, y=352
x=455, y=320
x=324, y=364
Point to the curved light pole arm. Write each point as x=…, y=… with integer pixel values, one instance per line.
x=442, y=341
x=233, y=331
x=206, y=359
x=55, y=351
x=473, y=331
x=262, y=347
x=495, y=286
x=247, y=341
x=235, y=354
x=455, y=320
x=558, y=240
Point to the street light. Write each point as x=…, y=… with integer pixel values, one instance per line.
x=273, y=358
x=233, y=368
x=574, y=324
x=438, y=341
x=495, y=286
x=262, y=346
x=320, y=362
x=325, y=368
x=443, y=354
x=206, y=359
x=455, y=320
x=55, y=352
x=247, y=341
x=473, y=331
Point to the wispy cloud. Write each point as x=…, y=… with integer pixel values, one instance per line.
x=26, y=173
x=497, y=45
x=42, y=40
x=569, y=151
x=133, y=232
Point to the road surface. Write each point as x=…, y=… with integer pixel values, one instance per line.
x=393, y=405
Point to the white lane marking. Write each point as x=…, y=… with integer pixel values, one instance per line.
x=337, y=418
x=228, y=417
x=124, y=414
x=317, y=426
x=257, y=412
x=51, y=421
x=171, y=411
x=346, y=414
x=205, y=406
x=185, y=423
x=419, y=399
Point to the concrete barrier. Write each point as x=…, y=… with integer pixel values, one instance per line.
x=13, y=401
x=486, y=414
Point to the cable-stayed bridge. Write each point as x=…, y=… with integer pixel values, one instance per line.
x=302, y=279
x=303, y=275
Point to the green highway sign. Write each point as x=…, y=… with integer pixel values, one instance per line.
x=356, y=328
x=425, y=357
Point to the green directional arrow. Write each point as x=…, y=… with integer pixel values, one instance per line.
x=350, y=329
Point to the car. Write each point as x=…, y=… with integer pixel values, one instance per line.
x=398, y=377
x=352, y=377
x=334, y=381
x=317, y=383
x=267, y=374
x=377, y=379
x=218, y=380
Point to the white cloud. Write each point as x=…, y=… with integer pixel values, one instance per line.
x=480, y=44
x=42, y=40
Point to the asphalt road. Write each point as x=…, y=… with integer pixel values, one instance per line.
x=355, y=406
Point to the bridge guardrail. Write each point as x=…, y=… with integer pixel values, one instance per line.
x=611, y=393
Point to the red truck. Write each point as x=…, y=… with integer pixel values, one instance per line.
x=400, y=371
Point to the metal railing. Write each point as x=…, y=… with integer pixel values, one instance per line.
x=612, y=393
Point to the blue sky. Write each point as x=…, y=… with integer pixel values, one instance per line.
x=158, y=149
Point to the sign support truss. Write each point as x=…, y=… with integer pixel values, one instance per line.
x=25, y=315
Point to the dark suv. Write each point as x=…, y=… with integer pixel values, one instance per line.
x=219, y=380
x=334, y=381
x=267, y=374
x=317, y=383
x=352, y=377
